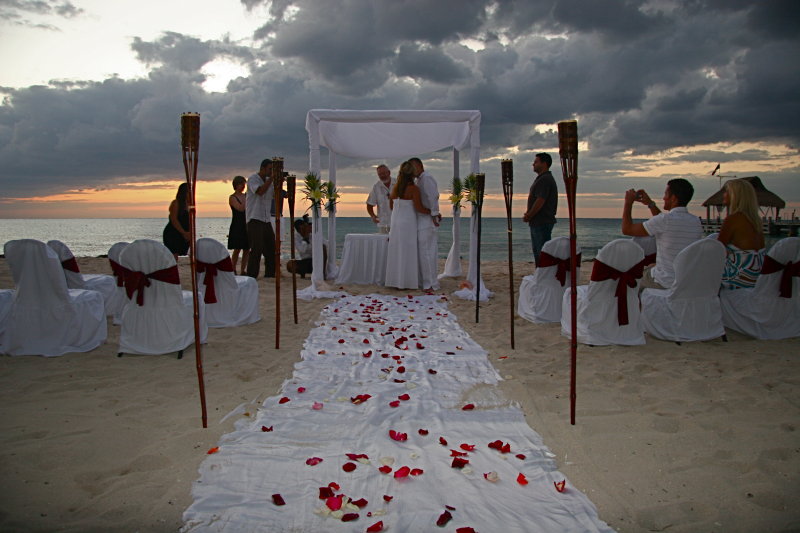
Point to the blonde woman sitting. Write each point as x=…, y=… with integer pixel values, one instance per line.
x=742, y=236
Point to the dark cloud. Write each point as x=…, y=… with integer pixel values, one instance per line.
x=17, y=11
x=642, y=77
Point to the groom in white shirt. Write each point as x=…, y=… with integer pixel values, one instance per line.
x=427, y=226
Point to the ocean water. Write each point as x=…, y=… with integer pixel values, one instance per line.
x=93, y=237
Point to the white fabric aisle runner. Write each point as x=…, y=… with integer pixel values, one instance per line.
x=374, y=367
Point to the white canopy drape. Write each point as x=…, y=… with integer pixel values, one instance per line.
x=386, y=134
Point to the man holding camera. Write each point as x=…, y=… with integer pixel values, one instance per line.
x=673, y=230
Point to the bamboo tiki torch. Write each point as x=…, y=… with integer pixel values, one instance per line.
x=480, y=183
x=277, y=187
x=190, y=146
x=507, y=176
x=291, y=187
x=568, y=150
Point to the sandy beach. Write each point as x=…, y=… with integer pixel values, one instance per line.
x=698, y=437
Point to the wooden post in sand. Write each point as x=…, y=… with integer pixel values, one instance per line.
x=291, y=188
x=568, y=150
x=480, y=184
x=507, y=177
x=190, y=146
x=277, y=186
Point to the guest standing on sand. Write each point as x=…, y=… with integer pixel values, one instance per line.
x=427, y=226
x=260, y=234
x=540, y=214
x=379, y=197
x=402, y=263
x=673, y=230
x=176, y=233
x=237, y=232
x=742, y=235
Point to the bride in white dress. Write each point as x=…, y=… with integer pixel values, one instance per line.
x=402, y=266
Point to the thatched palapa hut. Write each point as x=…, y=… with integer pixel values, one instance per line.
x=767, y=200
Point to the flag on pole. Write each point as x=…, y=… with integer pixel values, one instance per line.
x=713, y=172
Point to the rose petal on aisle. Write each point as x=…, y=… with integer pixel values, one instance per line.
x=445, y=372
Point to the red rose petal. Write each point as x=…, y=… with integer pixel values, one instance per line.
x=399, y=380
x=361, y=398
x=349, y=517
x=423, y=432
x=325, y=493
x=417, y=471
x=387, y=498
x=366, y=341
x=467, y=447
x=277, y=499
x=395, y=403
x=522, y=480
x=465, y=530
x=334, y=503
x=322, y=352
x=396, y=435
x=356, y=456
x=432, y=371
x=468, y=407
x=403, y=471
x=367, y=354
x=459, y=462
x=442, y=441
x=374, y=528
x=333, y=485
x=420, y=346
x=301, y=389
x=404, y=397
x=444, y=518
x=349, y=467
x=284, y=400
x=341, y=341
x=215, y=449
x=561, y=486
x=520, y=456
x=385, y=469
x=401, y=369
x=450, y=507
x=360, y=503
x=312, y=461
x=266, y=429
x=506, y=448
x=456, y=453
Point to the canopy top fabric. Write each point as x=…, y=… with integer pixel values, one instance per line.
x=391, y=133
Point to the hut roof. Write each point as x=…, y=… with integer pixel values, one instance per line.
x=765, y=197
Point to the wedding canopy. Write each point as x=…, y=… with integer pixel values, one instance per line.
x=388, y=134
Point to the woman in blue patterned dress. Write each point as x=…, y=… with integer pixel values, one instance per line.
x=742, y=236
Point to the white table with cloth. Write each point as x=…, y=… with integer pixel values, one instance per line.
x=364, y=259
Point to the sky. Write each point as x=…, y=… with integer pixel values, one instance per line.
x=92, y=92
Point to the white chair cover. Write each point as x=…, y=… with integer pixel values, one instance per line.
x=46, y=318
x=122, y=299
x=165, y=321
x=761, y=312
x=690, y=309
x=597, y=304
x=102, y=283
x=541, y=293
x=237, y=296
x=648, y=245
x=452, y=265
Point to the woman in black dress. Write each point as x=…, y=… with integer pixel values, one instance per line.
x=237, y=233
x=176, y=233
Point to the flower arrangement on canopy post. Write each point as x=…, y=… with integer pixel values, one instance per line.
x=480, y=183
x=277, y=186
x=507, y=178
x=190, y=146
x=568, y=150
x=452, y=266
x=291, y=188
x=312, y=190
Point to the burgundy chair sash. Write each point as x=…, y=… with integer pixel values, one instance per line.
x=211, y=269
x=547, y=260
x=790, y=270
x=119, y=272
x=603, y=272
x=135, y=281
x=71, y=264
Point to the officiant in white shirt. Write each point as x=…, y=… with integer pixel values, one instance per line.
x=427, y=226
x=379, y=197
